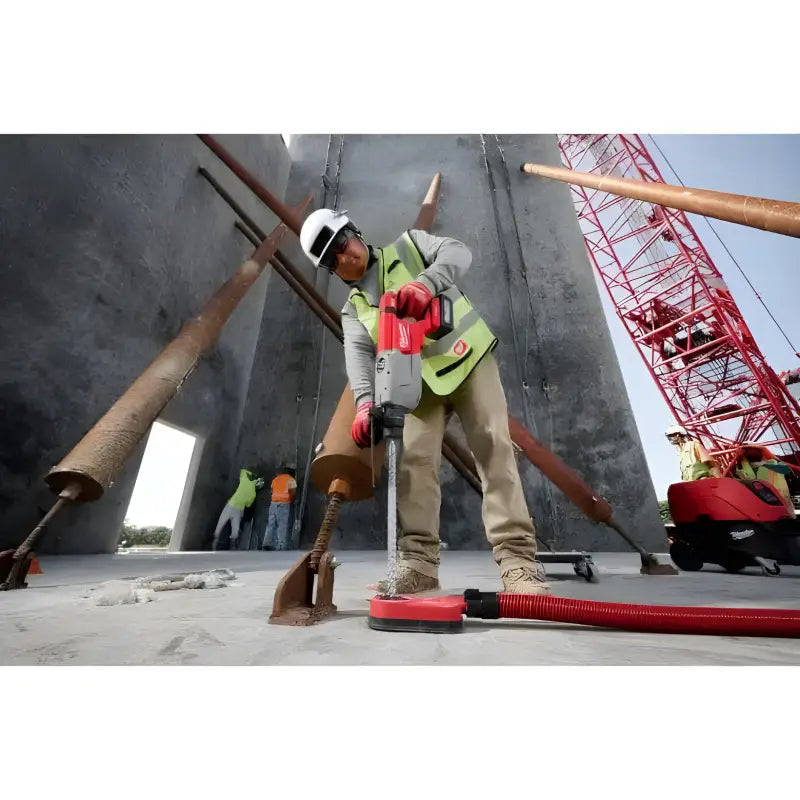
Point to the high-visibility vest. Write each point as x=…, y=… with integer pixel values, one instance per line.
x=692, y=466
x=245, y=493
x=764, y=473
x=745, y=470
x=283, y=489
x=446, y=362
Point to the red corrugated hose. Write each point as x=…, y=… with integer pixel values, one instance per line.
x=653, y=619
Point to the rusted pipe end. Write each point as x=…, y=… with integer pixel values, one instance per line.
x=300, y=209
x=267, y=249
x=339, y=458
x=74, y=484
x=601, y=510
x=433, y=190
x=427, y=212
x=341, y=487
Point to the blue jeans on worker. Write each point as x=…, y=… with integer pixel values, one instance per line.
x=278, y=535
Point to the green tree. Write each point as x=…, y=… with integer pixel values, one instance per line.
x=663, y=508
x=132, y=536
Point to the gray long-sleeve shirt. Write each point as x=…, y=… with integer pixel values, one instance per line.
x=446, y=261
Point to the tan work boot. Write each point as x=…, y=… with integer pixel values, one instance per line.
x=409, y=581
x=525, y=580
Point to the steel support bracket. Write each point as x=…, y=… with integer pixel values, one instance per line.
x=294, y=602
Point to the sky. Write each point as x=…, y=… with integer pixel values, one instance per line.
x=763, y=166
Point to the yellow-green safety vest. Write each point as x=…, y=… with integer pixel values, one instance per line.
x=446, y=362
x=745, y=470
x=692, y=469
x=763, y=473
x=245, y=493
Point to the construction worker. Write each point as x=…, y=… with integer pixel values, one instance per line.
x=759, y=463
x=459, y=374
x=233, y=511
x=279, y=523
x=695, y=461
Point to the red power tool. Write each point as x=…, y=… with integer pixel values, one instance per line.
x=398, y=388
x=398, y=362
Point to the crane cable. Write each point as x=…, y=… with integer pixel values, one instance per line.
x=738, y=266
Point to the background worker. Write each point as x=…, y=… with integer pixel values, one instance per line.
x=759, y=463
x=459, y=374
x=695, y=461
x=233, y=511
x=278, y=534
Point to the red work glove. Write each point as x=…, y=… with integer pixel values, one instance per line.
x=413, y=300
x=361, y=427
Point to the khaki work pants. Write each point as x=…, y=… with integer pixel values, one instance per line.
x=481, y=406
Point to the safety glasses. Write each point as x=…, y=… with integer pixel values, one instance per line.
x=338, y=243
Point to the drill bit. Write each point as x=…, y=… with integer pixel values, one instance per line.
x=391, y=520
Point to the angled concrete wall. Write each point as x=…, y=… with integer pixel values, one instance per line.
x=107, y=245
x=557, y=360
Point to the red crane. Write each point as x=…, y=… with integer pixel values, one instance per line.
x=677, y=308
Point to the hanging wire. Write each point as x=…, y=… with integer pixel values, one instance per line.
x=338, y=172
x=530, y=421
x=326, y=185
x=732, y=257
x=506, y=264
x=531, y=320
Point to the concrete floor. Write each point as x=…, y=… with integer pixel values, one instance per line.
x=56, y=620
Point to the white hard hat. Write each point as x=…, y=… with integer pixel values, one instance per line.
x=319, y=230
x=675, y=430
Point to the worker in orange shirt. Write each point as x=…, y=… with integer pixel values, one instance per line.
x=278, y=535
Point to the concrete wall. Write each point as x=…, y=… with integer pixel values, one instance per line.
x=557, y=360
x=107, y=245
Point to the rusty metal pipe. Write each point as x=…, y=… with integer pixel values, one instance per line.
x=462, y=462
x=20, y=561
x=334, y=327
x=291, y=216
x=96, y=459
x=430, y=205
x=279, y=260
x=777, y=216
x=579, y=492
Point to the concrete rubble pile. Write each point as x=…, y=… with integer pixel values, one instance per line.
x=142, y=590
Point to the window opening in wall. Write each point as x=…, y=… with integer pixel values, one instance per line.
x=157, y=494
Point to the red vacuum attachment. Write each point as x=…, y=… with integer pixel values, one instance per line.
x=446, y=615
x=420, y=614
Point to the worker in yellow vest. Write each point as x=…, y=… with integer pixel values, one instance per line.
x=759, y=463
x=233, y=511
x=695, y=461
x=459, y=374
